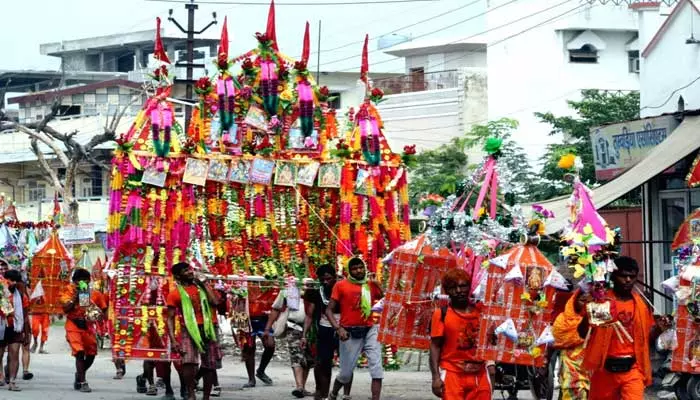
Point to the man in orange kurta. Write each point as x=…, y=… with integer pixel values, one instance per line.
x=574, y=380
x=454, y=335
x=80, y=332
x=40, y=325
x=621, y=368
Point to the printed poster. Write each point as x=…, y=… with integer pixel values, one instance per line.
x=261, y=171
x=306, y=174
x=151, y=176
x=329, y=175
x=239, y=171
x=285, y=173
x=218, y=170
x=196, y=171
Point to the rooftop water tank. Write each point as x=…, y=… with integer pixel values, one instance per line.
x=391, y=40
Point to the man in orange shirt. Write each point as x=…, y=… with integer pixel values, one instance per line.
x=454, y=335
x=621, y=365
x=15, y=329
x=80, y=324
x=40, y=326
x=197, y=345
x=356, y=329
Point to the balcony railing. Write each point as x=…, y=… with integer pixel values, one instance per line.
x=418, y=82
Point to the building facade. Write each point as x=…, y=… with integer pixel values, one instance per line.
x=542, y=53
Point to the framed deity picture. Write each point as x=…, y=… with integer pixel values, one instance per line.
x=363, y=183
x=240, y=169
x=151, y=176
x=306, y=174
x=329, y=175
x=256, y=118
x=218, y=170
x=196, y=171
x=535, y=277
x=297, y=141
x=285, y=173
x=261, y=171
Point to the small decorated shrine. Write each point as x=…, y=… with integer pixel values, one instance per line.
x=50, y=271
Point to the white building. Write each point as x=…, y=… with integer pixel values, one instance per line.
x=542, y=53
x=671, y=59
x=441, y=96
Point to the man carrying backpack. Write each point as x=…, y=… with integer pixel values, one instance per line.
x=454, y=333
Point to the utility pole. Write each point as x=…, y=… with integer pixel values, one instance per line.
x=190, y=32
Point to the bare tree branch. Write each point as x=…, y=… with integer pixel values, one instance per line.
x=56, y=182
x=52, y=144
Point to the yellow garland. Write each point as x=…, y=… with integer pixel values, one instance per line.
x=161, y=261
x=177, y=254
x=148, y=260
x=161, y=323
x=144, y=319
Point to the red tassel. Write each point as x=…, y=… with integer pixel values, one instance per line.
x=158, y=51
x=307, y=45
x=223, y=42
x=364, y=69
x=271, y=31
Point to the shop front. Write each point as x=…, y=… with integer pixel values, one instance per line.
x=656, y=155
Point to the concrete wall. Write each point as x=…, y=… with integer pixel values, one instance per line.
x=447, y=61
x=102, y=101
x=430, y=118
x=531, y=71
x=671, y=65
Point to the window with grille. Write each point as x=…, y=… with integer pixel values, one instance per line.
x=633, y=59
x=587, y=54
x=36, y=191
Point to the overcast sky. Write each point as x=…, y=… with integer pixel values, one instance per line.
x=28, y=23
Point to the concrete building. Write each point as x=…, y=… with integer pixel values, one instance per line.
x=542, y=53
x=101, y=98
x=442, y=95
x=670, y=59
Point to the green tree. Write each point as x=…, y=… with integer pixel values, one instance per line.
x=515, y=169
x=444, y=169
x=594, y=109
x=439, y=170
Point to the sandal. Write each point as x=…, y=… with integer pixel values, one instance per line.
x=152, y=391
x=13, y=387
x=120, y=374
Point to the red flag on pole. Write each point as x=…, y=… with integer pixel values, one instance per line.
x=158, y=51
x=364, y=69
x=307, y=45
x=223, y=42
x=271, y=32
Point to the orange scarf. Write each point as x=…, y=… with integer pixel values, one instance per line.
x=565, y=327
x=597, y=349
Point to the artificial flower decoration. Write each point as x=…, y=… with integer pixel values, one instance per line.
x=408, y=157
x=493, y=146
x=567, y=161
x=203, y=86
x=376, y=95
x=542, y=212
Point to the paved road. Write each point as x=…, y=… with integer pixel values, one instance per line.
x=54, y=377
